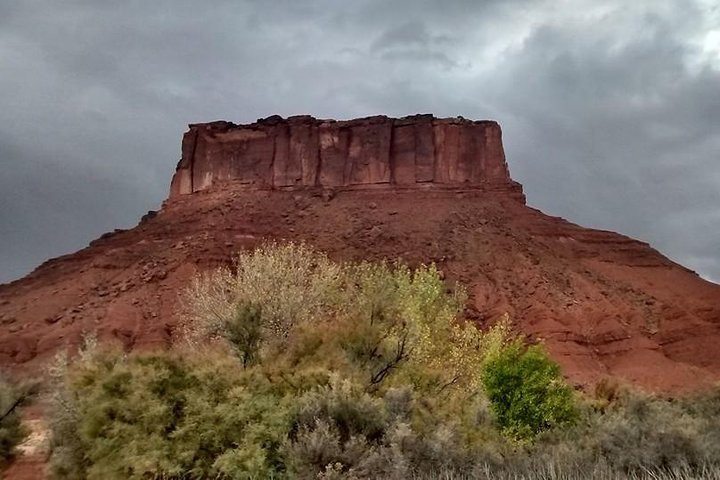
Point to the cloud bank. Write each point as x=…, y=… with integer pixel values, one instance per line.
x=610, y=110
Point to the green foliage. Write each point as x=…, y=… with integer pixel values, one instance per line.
x=526, y=390
x=300, y=367
x=11, y=430
x=243, y=332
x=386, y=320
x=164, y=416
x=399, y=321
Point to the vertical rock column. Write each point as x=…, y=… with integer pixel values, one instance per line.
x=494, y=166
x=182, y=180
x=305, y=148
x=369, y=152
x=334, y=145
x=413, y=152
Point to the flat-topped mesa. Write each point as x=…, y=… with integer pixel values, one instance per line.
x=305, y=152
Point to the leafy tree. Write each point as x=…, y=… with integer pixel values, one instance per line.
x=527, y=392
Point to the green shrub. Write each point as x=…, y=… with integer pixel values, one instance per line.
x=244, y=332
x=163, y=416
x=527, y=391
x=11, y=430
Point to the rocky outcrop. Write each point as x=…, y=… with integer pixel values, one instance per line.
x=302, y=151
x=419, y=189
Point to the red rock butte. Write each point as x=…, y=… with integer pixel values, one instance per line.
x=418, y=188
x=303, y=151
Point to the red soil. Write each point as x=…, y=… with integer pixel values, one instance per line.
x=606, y=305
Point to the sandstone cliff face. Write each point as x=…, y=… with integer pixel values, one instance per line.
x=302, y=151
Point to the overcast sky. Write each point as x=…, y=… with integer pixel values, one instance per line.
x=610, y=109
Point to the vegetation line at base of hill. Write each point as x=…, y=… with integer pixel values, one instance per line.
x=295, y=366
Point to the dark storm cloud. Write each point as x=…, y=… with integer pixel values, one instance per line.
x=633, y=133
x=610, y=111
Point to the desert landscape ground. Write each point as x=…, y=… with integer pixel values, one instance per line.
x=606, y=305
x=417, y=189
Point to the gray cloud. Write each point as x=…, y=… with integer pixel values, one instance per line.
x=610, y=110
x=412, y=41
x=632, y=127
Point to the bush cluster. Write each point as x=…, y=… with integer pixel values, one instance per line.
x=164, y=416
x=12, y=398
x=299, y=367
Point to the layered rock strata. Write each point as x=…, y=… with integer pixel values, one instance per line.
x=303, y=151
